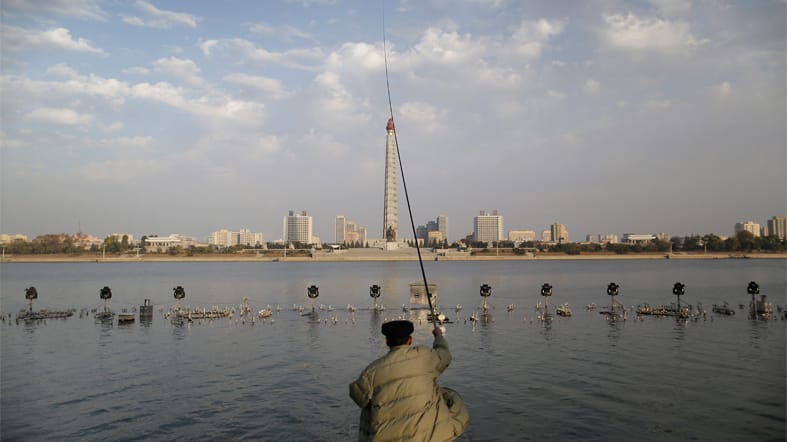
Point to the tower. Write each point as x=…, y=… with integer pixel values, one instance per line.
x=341, y=223
x=390, y=206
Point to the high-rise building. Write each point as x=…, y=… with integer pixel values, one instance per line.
x=518, y=236
x=602, y=239
x=442, y=225
x=248, y=238
x=488, y=227
x=390, y=205
x=421, y=232
x=228, y=238
x=558, y=233
x=748, y=226
x=341, y=224
x=777, y=226
x=223, y=238
x=546, y=235
x=297, y=228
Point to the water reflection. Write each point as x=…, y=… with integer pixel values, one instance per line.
x=179, y=329
x=375, y=322
x=314, y=331
x=546, y=330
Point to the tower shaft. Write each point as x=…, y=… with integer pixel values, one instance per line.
x=390, y=204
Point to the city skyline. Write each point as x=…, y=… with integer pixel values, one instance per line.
x=557, y=232
x=158, y=117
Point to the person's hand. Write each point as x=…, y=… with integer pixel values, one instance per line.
x=437, y=331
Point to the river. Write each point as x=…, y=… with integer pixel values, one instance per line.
x=578, y=378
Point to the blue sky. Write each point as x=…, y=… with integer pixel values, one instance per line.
x=158, y=117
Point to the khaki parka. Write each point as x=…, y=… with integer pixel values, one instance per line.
x=400, y=399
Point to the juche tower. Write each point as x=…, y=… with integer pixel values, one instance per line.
x=390, y=205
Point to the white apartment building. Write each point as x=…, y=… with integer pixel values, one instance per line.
x=748, y=226
x=297, y=228
x=518, y=236
x=488, y=227
x=248, y=238
x=8, y=239
x=223, y=238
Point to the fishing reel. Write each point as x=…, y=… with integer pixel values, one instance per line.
x=105, y=293
x=31, y=293
x=679, y=289
x=546, y=289
x=179, y=292
x=374, y=291
x=313, y=292
x=613, y=289
x=485, y=290
x=753, y=288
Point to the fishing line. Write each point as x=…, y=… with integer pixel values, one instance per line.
x=404, y=183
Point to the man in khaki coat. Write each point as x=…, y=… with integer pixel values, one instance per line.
x=399, y=396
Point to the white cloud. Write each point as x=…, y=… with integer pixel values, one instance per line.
x=334, y=104
x=422, y=115
x=592, y=86
x=62, y=70
x=159, y=18
x=19, y=39
x=633, y=33
x=724, y=90
x=352, y=56
x=323, y=143
x=142, y=143
x=247, y=51
x=270, y=86
x=212, y=106
x=207, y=45
x=182, y=68
x=283, y=32
x=530, y=37
x=136, y=70
x=7, y=143
x=440, y=46
x=62, y=116
x=114, y=127
x=87, y=9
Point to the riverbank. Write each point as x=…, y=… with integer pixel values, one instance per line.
x=356, y=255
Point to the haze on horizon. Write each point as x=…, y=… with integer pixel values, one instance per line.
x=158, y=117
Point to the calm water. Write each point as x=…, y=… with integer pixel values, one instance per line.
x=580, y=378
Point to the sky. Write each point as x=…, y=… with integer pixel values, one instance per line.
x=153, y=117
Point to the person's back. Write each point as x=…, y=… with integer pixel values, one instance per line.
x=399, y=395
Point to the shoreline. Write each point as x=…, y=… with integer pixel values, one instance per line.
x=375, y=256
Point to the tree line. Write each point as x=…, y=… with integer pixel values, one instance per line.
x=61, y=243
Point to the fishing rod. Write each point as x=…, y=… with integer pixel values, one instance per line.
x=404, y=183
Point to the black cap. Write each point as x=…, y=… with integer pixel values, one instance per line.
x=398, y=329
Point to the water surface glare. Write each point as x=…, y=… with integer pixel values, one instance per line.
x=577, y=378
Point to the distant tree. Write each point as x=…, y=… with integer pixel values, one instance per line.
x=746, y=240
x=772, y=243
x=691, y=243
